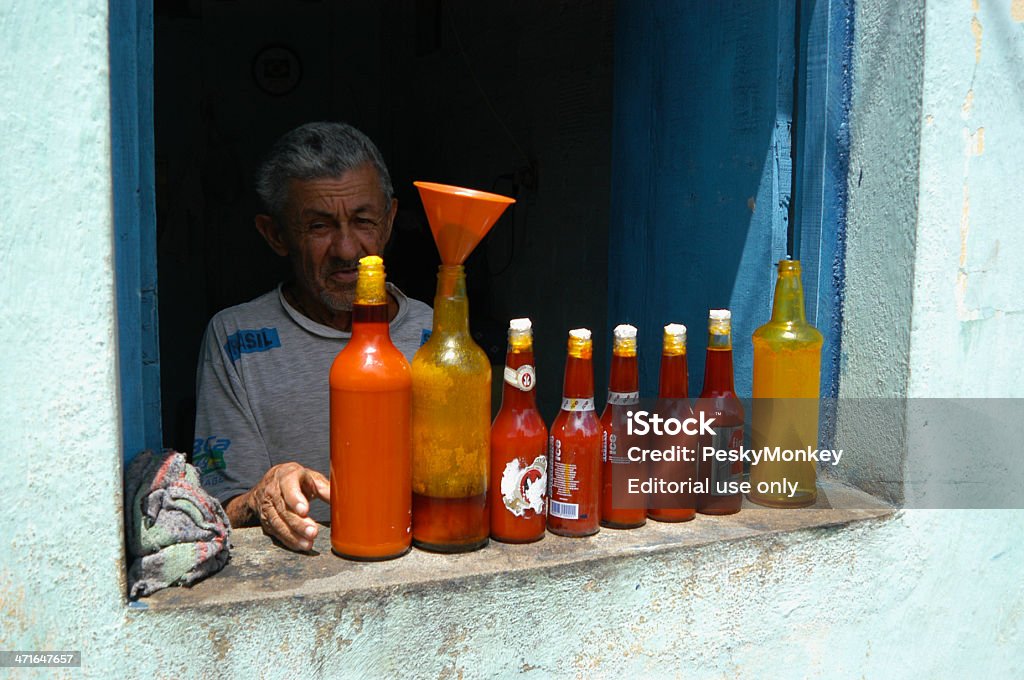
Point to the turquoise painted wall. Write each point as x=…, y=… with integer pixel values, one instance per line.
x=927, y=594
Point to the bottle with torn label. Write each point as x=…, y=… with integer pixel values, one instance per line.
x=621, y=509
x=574, y=447
x=673, y=402
x=370, y=431
x=717, y=473
x=519, y=437
x=787, y=374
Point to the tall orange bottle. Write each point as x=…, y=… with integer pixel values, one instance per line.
x=370, y=431
x=617, y=512
x=787, y=374
x=519, y=461
x=574, y=450
x=718, y=400
x=673, y=402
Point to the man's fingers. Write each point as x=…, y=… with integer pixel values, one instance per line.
x=292, y=492
x=315, y=485
x=300, y=525
x=275, y=524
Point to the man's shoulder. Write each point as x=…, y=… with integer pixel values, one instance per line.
x=266, y=309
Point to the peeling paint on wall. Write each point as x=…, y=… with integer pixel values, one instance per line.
x=976, y=31
x=1017, y=10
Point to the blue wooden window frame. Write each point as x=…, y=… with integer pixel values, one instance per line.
x=130, y=36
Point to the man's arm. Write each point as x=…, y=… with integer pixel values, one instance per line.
x=232, y=456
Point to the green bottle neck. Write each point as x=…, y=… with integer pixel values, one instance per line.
x=451, y=306
x=788, y=306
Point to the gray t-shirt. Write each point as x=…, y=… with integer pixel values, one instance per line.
x=263, y=393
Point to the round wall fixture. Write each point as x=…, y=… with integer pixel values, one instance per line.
x=277, y=70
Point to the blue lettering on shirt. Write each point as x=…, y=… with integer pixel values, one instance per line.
x=248, y=341
x=424, y=336
x=208, y=454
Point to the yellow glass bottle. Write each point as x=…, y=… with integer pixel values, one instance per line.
x=787, y=375
x=451, y=427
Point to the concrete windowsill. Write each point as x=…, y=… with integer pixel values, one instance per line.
x=261, y=571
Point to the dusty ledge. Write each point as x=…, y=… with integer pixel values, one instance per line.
x=262, y=571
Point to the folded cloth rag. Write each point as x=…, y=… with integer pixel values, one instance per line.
x=177, y=533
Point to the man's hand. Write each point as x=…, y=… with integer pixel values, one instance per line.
x=280, y=504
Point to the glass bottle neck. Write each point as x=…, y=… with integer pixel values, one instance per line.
x=624, y=374
x=512, y=396
x=674, y=376
x=579, y=378
x=788, y=305
x=451, y=306
x=718, y=372
x=369, y=320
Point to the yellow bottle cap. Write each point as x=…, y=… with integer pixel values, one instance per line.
x=370, y=288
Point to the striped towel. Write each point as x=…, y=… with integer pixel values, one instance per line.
x=177, y=533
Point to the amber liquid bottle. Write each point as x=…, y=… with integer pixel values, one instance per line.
x=370, y=432
x=787, y=373
x=451, y=427
x=718, y=400
x=519, y=438
x=618, y=509
x=673, y=402
x=574, y=451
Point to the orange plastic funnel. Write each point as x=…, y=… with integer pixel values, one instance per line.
x=459, y=217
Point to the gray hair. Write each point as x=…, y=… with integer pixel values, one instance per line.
x=316, y=151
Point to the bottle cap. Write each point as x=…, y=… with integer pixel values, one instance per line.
x=676, y=330
x=580, y=345
x=520, y=335
x=370, y=288
x=720, y=327
x=674, y=342
x=624, y=330
x=624, y=344
x=580, y=333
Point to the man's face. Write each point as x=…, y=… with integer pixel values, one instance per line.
x=330, y=224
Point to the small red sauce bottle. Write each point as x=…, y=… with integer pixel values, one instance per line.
x=519, y=438
x=574, y=451
x=617, y=512
x=674, y=403
x=718, y=400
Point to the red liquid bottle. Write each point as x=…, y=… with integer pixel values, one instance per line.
x=674, y=403
x=718, y=400
x=574, y=452
x=519, y=462
x=371, y=431
x=619, y=508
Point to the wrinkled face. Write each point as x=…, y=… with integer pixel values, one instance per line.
x=330, y=224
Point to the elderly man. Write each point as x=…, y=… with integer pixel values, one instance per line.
x=262, y=436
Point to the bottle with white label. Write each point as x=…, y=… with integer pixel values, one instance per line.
x=519, y=462
x=621, y=509
x=719, y=467
x=574, y=447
